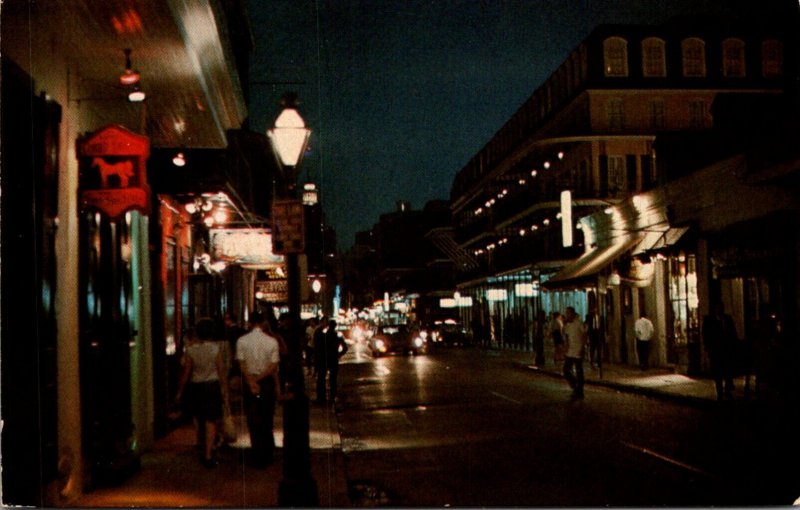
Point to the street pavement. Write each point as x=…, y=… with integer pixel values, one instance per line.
x=172, y=476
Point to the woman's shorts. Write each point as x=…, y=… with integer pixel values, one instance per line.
x=206, y=401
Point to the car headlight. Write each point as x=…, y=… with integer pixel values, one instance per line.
x=419, y=341
x=380, y=345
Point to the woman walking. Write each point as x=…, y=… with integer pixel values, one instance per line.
x=203, y=378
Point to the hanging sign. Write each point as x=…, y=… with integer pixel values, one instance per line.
x=243, y=246
x=566, y=218
x=273, y=291
x=112, y=171
x=288, y=227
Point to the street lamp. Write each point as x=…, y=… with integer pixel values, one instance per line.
x=297, y=488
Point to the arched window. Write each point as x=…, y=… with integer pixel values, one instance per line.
x=615, y=53
x=733, y=58
x=694, y=57
x=654, y=63
x=772, y=58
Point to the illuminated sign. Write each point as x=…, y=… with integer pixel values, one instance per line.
x=447, y=303
x=496, y=294
x=566, y=218
x=524, y=290
x=243, y=245
x=273, y=291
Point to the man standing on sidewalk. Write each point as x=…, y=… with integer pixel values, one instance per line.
x=575, y=338
x=595, y=337
x=258, y=356
x=721, y=342
x=643, y=329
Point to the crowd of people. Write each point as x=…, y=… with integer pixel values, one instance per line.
x=253, y=362
x=571, y=337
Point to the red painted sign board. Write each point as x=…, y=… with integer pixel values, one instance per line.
x=113, y=172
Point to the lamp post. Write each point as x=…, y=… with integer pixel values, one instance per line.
x=297, y=488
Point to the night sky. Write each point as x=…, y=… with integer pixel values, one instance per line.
x=401, y=94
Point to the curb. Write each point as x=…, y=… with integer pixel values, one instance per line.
x=628, y=388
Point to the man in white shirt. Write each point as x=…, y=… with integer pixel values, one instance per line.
x=258, y=357
x=643, y=329
x=575, y=339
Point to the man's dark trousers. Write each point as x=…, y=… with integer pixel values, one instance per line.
x=260, y=411
x=576, y=380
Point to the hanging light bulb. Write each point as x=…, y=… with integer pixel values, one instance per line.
x=179, y=159
x=136, y=95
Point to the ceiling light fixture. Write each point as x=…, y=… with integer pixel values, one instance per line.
x=129, y=76
x=179, y=159
x=136, y=95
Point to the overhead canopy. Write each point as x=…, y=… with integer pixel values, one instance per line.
x=657, y=238
x=581, y=271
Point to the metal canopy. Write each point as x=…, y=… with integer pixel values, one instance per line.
x=578, y=272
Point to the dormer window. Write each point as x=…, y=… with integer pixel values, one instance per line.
x=653, y=58
x=615, y=53
x=733, y=58
x=694, y=57
x=772, y=58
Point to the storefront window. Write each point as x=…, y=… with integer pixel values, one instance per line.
x=683, y=297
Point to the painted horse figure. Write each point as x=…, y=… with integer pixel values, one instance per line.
x=122, y=170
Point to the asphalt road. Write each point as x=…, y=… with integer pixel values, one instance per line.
x=463, y=427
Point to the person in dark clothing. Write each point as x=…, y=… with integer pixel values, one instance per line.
x=721, y=343
x=328, y=348
x=281, y=329
x=232, y=333
x=538, y=338
x=595, y=337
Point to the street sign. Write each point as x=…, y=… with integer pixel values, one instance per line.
x=288, y=227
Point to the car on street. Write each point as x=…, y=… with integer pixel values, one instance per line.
x=448, y=333
x=397, y=338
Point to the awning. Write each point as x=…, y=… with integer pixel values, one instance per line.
x=580, y=271
x=658, y=239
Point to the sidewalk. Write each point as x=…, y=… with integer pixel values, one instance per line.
x=661, y=383
x=172, y=476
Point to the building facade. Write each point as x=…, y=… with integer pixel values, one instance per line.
x=95, y=274
x=533, y=206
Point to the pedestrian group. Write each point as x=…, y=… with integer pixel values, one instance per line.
x=261, y=355
x=254, y=361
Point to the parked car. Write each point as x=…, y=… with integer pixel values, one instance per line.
x=397, y=338
x=448, y=333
